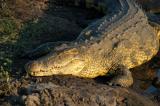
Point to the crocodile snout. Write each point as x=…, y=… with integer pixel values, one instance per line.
x=32, y=67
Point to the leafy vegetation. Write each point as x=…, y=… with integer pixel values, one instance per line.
x=8, y=30
x=15, y=35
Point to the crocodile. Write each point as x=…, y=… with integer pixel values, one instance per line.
x=113, y=44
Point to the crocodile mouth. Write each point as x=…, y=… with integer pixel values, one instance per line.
x=36, y=69
x=65, y=63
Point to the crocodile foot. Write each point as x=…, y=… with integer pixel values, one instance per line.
x=123, y=77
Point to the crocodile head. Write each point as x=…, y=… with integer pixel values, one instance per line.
x=66, y=62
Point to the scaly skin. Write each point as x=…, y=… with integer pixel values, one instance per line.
x=152, y=7
x=118, y=41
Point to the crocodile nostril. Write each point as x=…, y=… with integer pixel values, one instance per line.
x=32, y=66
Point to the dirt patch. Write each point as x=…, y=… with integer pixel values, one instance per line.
x=71, y=91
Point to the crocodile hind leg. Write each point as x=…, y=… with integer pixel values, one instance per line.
x=123, y=77
x=46, y=48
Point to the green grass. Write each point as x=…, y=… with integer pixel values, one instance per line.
x=8, y=30
x=4, y=82
x=14, y=38
x=8, y=37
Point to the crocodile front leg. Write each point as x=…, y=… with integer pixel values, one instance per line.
x=46, y=48
x=123, y=77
